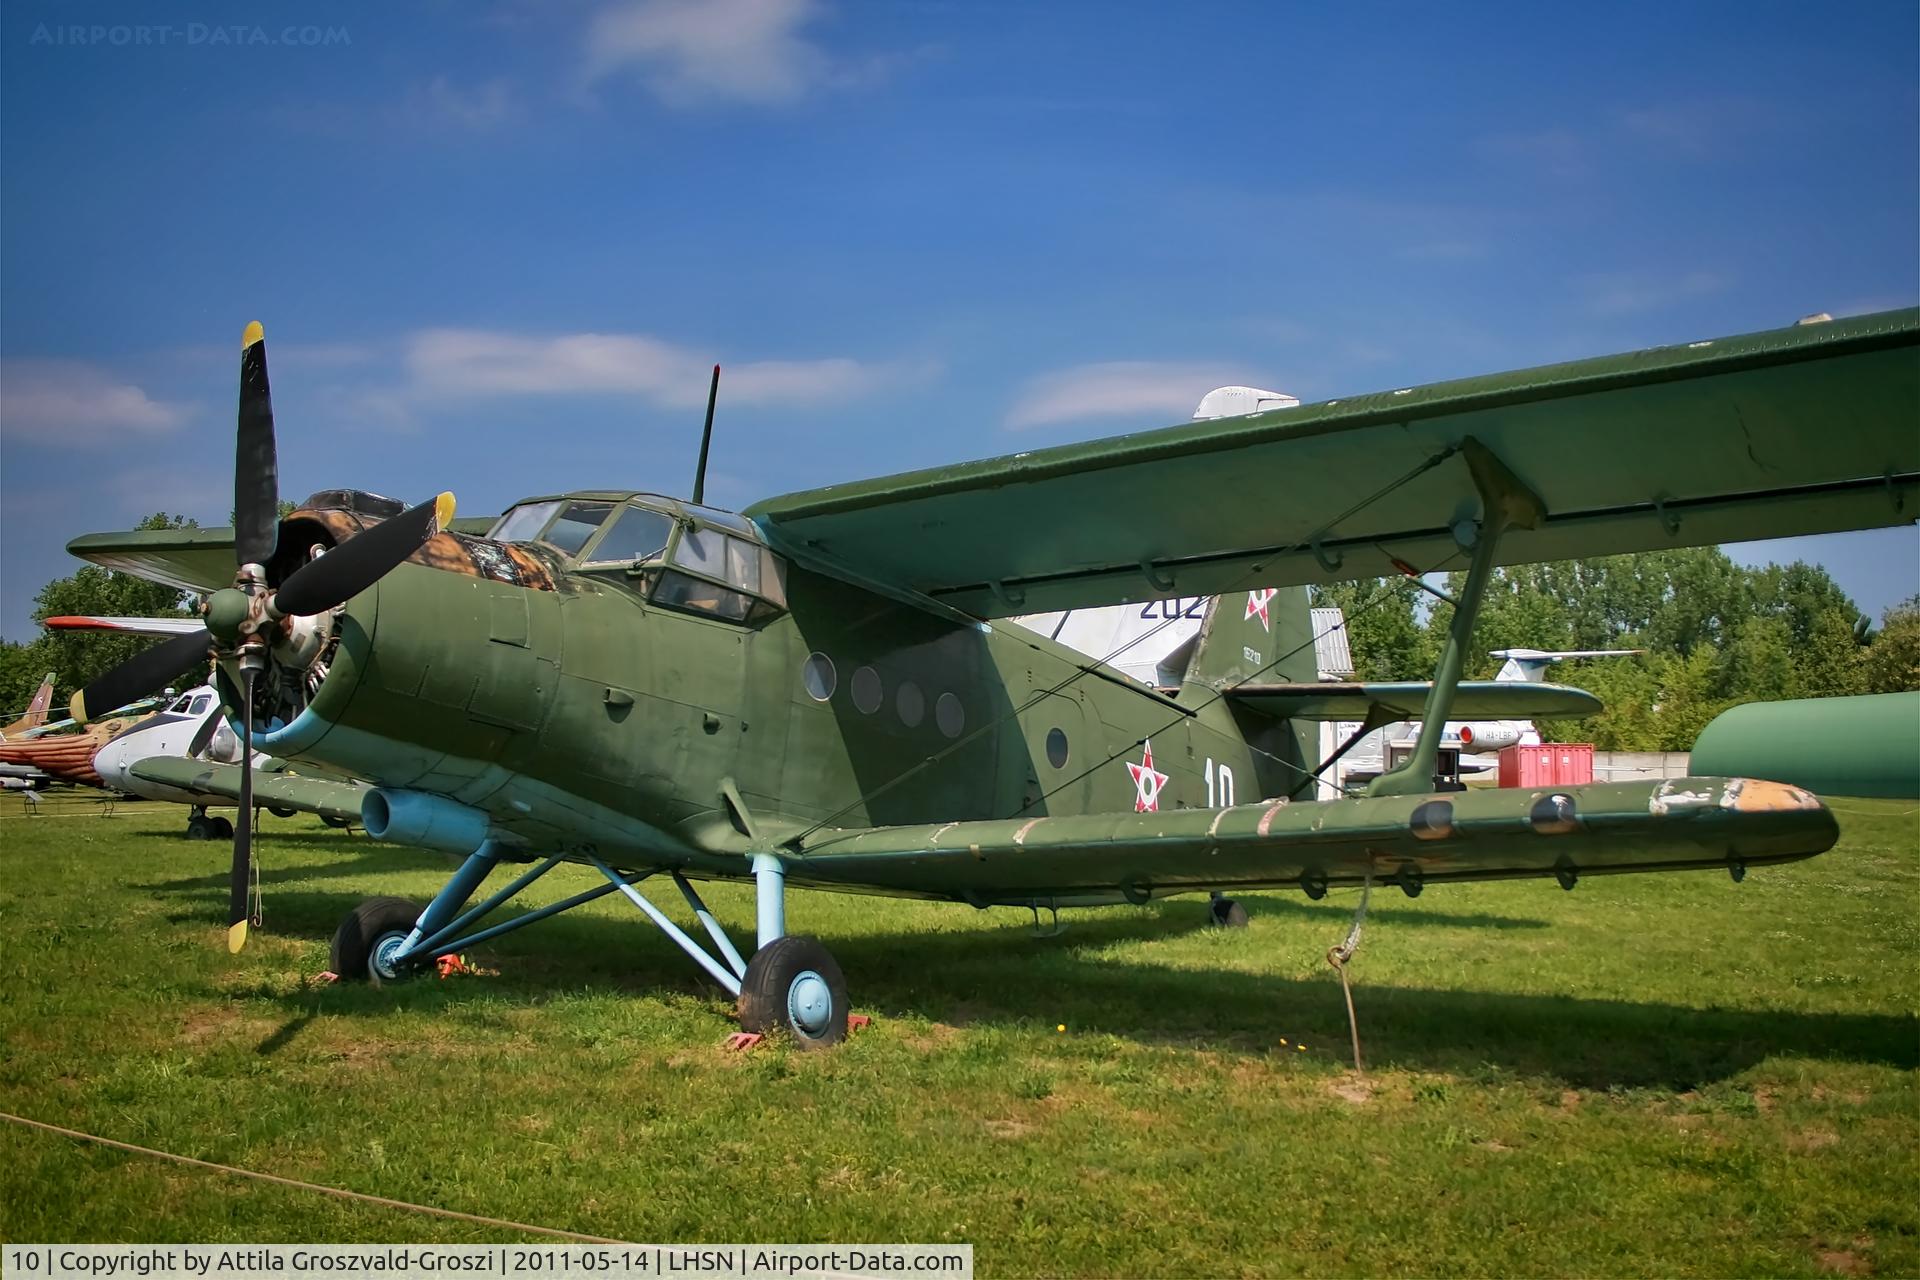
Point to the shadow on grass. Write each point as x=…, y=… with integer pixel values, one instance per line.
x=998, y=977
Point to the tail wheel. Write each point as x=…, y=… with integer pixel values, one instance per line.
x=364, y=944
x=794, y=984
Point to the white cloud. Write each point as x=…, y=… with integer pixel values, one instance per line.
x=694, y=51
x=72, y=402
x=454, y=363
x=478, y=109
x=1123, y=388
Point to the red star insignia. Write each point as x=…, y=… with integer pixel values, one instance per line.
x=1146, y=783
x=1257, y=606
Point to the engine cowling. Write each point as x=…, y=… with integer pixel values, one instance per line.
x=1489, y=735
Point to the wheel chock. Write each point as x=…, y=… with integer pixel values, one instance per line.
x=741, y=1041
x=326, y=976
x=858, y=1022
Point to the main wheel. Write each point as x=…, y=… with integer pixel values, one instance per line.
x=364, y=944
x=336, y=823
x=794, y=984
x=281, y=811
x=222, y=828
x=200, y=827
x=1225, y=913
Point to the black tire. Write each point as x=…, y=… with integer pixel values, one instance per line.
x=772, y=982
x=222, y=828
x=199, y=828
x=1225, y=913
x=280, y=812
x=337, y=823
x=362, y=929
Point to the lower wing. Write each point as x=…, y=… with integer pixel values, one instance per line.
x=329, y=799
x=1489, y=834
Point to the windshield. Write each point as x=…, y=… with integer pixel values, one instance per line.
x=575, y=524
x=635, y=534
x=523, y=522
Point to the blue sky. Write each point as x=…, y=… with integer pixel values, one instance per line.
x=496, y=246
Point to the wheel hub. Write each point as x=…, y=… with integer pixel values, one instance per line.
x=382, y=959
x=809, y=1003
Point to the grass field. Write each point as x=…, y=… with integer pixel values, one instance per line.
x=1663, y=1074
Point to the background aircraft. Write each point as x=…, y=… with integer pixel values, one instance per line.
x=36, y=713
x=823, y=691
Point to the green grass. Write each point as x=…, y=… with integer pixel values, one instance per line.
x=1662, y=1074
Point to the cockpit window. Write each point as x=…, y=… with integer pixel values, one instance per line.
x=185, y=701
x=636, y=534
x=201, y=704
x=575, y=524
x=682, y=592
x=522, y=524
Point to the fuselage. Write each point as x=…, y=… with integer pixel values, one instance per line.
x=594, y=706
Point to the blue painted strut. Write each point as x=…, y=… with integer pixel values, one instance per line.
x=693, y=949
x=454, y=895
x=441, y=932
x=714, y=931
x=770, y=884
x=518, y=922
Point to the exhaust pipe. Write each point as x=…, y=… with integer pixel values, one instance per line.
x=421, y=818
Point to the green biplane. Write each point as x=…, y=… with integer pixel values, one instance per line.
x=824, y=692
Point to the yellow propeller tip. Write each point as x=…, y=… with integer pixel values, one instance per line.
x=253, y=334
x=443, y=510
x=236, y=937
x=78, y=707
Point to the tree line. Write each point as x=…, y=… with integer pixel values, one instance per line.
x=1715, y=633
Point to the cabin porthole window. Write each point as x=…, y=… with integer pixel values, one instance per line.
x=1057, y=748
x=819, y=677
x=910, y=703
x=866, y=690
x=949, y=715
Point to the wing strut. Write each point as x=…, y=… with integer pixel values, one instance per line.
x=1505, y=503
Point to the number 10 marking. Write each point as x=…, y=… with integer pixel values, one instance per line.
x=1219, y=785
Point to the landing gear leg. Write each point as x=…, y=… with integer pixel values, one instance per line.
x=792, y=984
x=1224, y=913
x=199, y=826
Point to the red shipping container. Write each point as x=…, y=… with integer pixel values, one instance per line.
x=1552, y=764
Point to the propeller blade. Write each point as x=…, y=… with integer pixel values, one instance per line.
x=143, y=673
x=256, y=469
x=242, y=829
x=362, y=560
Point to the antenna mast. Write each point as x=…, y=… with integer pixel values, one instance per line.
x=706, y=438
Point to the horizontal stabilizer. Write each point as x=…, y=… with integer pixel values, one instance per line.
x=1407, y=700
x=1808, y=429
x=1487, y=833
x=324, y=796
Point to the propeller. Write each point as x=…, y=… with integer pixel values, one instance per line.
x=243, y=622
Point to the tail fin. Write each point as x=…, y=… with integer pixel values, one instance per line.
x=42, y=699
x=1530, y=665
x=1263, y=634
x=36, y=712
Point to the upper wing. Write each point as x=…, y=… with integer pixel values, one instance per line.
x=191, y=559
x=1485, y=833
x=323, y=796
x=1809, y=429
x=1474, y=699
